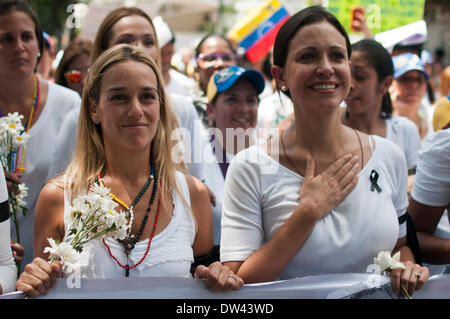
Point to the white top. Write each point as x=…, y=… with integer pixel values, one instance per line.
x=170, y=253
x=188, y=119
x=403, y=132
x=432, y=181
x=179, y=83
x=215, y=181
x=257, y=202
x=8, y=271
x=39, y=150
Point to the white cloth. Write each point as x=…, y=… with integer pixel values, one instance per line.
x=215, y=181
x=432, y=181
x=187, y=118
x=170, y=252
x=257, y=204
x=7, y=267
x=404, y=133
x=179, y=83
x=39, y=150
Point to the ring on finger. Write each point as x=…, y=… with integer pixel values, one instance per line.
x=232, y=276
x=415, y=274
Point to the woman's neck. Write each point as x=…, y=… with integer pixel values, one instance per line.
x=17, y=96
x=128, y=167
x=369, y=123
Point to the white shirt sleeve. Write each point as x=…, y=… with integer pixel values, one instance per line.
x=242, y=226
x=432, y=181
x=7, y=266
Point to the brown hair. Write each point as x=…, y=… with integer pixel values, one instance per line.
x=444, y=82
x=103, y=35
x=74, y=50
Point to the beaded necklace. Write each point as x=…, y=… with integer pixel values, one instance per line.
x=16, y=151
x=130, y=242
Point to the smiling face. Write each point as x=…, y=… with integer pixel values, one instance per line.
x=137, y=30
x=366, y=93
x=128, y=107
x=317, y=72
x=235, y=108
x=19, y=46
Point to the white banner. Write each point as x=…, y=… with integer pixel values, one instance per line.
x=334, y=286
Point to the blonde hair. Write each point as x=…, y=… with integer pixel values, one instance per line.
x=103, y=36
x=444, y=83
x=89, y=157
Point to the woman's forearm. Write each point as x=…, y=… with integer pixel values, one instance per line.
x=268, y=262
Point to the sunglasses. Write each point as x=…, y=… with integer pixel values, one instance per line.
x=73, y=76
x=214, y=57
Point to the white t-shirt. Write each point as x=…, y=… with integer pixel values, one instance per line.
x=187, y=118
x=39, y=150
x=215, y=181
x=260, y=195
x=170, y=254
x=404, y=133
x=7, y=267
x=432, y=181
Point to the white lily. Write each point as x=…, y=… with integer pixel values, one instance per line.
x=386, y=263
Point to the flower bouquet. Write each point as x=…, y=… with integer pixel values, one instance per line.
x=92, y=216
x=12, y=138
x=386, y=263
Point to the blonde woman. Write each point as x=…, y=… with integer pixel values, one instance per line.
x=124, y=143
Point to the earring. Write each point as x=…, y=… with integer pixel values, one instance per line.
x=284, y=88
x=95, y=121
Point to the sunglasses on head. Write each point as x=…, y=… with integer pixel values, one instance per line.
x=74, y=76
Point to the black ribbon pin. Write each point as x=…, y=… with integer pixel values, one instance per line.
x=374, y=179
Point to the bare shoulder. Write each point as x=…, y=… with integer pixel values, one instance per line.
x=51, y=199
x=196, y=188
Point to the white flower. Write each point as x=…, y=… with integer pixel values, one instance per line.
x=386, y=263
x=63, y=252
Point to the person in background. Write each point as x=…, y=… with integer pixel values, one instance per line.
x=369, y=106
x=42, y=103
x=74, y=65
x=233, y=106
x=8, y=271
x=334, y=193
x=44, y=67
x=408, y=89
x=441, y=115
x=124, y=143
x=175, y=81
x=212, y=53
x=430, y=196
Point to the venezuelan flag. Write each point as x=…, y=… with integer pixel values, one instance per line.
x=257, y=31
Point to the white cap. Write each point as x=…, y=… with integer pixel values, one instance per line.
x=163, y=32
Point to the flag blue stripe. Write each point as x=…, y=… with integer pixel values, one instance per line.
x=263, y=28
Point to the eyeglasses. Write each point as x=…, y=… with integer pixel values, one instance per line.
x=214, y=57
x=74, y=76
x=411, y=79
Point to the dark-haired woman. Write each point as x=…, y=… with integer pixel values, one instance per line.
x=43, y=105
x=74, y=65
x=333, y=199
x=369, y=107
x=213, y=52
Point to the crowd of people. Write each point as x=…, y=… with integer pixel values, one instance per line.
x=228, y=171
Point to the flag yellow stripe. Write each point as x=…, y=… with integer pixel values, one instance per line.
x=253, y=19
